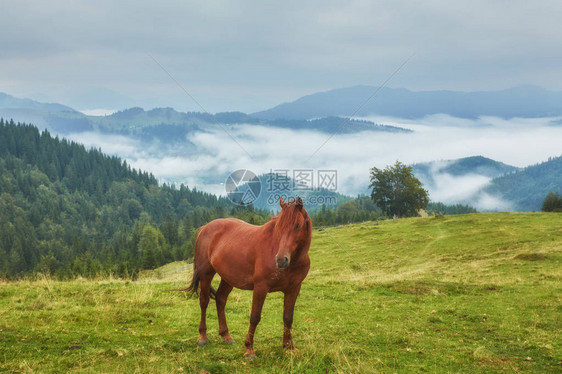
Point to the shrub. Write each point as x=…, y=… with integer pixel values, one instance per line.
x=552, y=203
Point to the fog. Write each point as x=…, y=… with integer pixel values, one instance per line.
x=518, y=142
x=463, y=189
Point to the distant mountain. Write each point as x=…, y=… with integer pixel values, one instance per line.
x=170, y=125
x=527, y=188
x=165, y=124
x=41, y=114
x=522, y=101
x=11, y=102
x=476, y=165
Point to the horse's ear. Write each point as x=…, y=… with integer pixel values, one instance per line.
x=299, y=201
x=282, y=203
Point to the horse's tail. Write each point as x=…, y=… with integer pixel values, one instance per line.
x=194, y=285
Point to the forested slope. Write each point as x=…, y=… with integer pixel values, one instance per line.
x=71, y=211
x=527, y=188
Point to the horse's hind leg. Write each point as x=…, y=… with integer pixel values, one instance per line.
x=204, y=295
x=221, y=297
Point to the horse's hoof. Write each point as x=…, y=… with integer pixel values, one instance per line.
x=250, y=356
x=230, y=341
x=203, y=342
x=290, y=347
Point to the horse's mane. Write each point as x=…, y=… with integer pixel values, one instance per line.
x=288, y=216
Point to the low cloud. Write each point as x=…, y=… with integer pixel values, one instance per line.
x=486, y=202
x=98, y=112
x=453, y=189
x=123, y=146
x=519, y=142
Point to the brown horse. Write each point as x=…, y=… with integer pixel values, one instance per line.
x=268, y=258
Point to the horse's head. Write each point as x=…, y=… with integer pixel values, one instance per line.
x=294, y=230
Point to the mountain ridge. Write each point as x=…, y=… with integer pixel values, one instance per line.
x=11, y=102
x=479, y=165
x=404, y=103
x=174, y=124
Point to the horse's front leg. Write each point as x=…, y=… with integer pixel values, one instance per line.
x=288, y=309
x=257, y=303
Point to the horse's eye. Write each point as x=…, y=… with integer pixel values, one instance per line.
x=297, y=226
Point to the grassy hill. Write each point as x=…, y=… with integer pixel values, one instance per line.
x=475, y=293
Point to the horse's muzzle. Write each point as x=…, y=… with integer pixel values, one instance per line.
x=282, y=262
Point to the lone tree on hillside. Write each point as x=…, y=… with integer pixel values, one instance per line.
x=397, y=191
x=552, y=203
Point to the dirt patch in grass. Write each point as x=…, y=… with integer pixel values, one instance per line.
x=531, y=256
x=437, y=288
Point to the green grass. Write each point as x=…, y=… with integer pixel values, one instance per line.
x=474, y=293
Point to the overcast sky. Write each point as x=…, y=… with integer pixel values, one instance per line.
x=250, y=55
